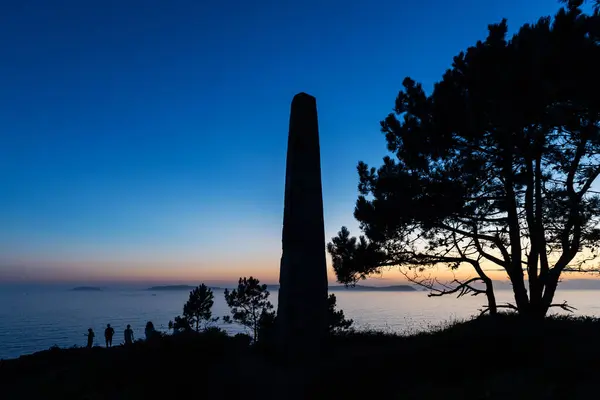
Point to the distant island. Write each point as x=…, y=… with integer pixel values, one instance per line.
x=87, y=289
x=175, y=287
x=394, y=288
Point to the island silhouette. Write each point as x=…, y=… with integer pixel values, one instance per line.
x=357, y=288
x=86, y=289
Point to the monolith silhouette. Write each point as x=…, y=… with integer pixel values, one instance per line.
x=302, y=304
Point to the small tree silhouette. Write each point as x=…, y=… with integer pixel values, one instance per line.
x=197, y=310
x=249, y=304
x=337, y=321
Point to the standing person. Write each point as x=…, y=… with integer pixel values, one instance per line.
x=128, y=335
x=90, y=338
x=108, y=335
x=149, y=331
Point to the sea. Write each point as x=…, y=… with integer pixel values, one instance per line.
x=34, y=318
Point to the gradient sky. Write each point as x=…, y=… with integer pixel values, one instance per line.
x=147, y=139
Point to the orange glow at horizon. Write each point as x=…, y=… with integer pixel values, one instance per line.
x=264, y=268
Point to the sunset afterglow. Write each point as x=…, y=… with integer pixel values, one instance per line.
x=152, y=146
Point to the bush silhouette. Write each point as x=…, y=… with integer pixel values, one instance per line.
x=336, y=320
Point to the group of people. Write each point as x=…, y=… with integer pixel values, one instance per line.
x=109, y=332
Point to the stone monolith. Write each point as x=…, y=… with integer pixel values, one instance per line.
x=302, y=303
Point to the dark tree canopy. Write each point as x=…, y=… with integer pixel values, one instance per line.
x=579, y=3
x=494, y=169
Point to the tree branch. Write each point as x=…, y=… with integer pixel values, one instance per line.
x=474, y=235
x=462, y=288
x=507, y=305
x=564, y=306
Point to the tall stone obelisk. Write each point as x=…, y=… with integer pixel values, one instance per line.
x=302, y=304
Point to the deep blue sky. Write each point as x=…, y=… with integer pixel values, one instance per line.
x=147, y=139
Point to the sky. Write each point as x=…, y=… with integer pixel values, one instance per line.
x=146, y=140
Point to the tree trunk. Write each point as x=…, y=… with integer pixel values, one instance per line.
x=531, y=308
x=491, y=297
x=537, y=309
x=520, y=292
x=549, y=291
x=255, y=323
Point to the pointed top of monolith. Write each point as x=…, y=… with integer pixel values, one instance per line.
x=303, y=97
x=304, y=94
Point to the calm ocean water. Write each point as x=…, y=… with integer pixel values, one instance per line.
x=36, y=318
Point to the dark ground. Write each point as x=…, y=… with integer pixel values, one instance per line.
x=503, y=358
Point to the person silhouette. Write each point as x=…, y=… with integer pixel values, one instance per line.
x=128, y=335
x=108, y=335
x=90, y=338
x=149, y=331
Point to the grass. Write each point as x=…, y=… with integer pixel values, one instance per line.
x=490, y=358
